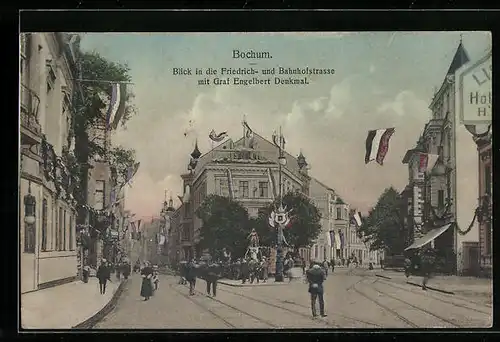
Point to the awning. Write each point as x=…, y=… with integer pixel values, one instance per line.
x=431, y=235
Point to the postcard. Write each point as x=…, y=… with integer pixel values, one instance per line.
x=326, y=180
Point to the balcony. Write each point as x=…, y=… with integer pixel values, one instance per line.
x=30, y=127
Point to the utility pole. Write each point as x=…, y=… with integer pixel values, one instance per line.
x=278, y=277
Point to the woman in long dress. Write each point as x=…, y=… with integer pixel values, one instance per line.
x=147, y=286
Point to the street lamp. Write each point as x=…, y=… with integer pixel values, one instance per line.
x=29, y=207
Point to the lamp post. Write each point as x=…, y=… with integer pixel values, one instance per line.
x=278, y=276
x=29, y=219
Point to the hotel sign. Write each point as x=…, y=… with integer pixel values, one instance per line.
x=475, y=92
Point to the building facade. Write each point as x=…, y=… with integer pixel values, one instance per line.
x=47, y=207
x=485, y=203
x=443, y=196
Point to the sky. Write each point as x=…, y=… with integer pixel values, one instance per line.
x=381, y=80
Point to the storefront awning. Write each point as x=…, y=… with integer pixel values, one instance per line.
x=431, y=235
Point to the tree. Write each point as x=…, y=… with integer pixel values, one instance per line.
x=305, y=221
x=384, y=227
x=89, y=107
x=225, y=224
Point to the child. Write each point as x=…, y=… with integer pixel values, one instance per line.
x=155, y=278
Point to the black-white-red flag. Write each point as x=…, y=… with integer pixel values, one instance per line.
x=377, y=144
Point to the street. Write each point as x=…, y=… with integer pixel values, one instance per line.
x=352, y=300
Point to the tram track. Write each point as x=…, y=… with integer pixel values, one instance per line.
x=232, y=307
x=397, y=314
x=302, y=306
x=212, y=312
x=426, y=294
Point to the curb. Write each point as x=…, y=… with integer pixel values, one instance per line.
x=431, y=288
x=381, y=276
x=90, y=322
x=252, y=285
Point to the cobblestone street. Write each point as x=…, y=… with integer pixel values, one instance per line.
x=357, y=300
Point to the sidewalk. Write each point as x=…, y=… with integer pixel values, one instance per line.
x=65, y=306
x=478, y=288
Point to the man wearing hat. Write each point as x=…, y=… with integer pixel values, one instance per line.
x=316, y=276
x=103, y=274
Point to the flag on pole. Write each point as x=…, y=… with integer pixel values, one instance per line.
x=279, y=140
x=377, y=144
x=116, y=105
x=131, y=171
x=356, y=219
x=217, y=137
x=427, y=162
x=248, y=133
x=341, y=238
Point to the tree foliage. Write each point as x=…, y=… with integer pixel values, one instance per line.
x=305, y=227
x=121, y=160
x=225, y=224
x=384, y=227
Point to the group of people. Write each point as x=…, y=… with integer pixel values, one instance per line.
x=210, y=271
x=105, y=269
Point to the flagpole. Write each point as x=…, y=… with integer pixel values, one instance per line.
x=100, y=81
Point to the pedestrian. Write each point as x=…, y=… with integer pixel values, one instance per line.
x=118, y=269
x=244, y=271
x=407, y=267
x=155, y=278
x=182, y=272
x=428, y=260
x=303, y=264
x=326, y=267
x=191, y=276
x=212, y=277
x=103, y=274
x=316, y=276
x=265, y=269
x=146, y=287
x=332, y=264
x=126, y=269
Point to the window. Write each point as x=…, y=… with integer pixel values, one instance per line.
x=187, y=210
x=440, y=198
x=487, y=179
x=56, y=231
x=71, y=234
x=243, y=189
x=64, y=231
x=316, y=252
x=346, y=214
x=339, y=214
x=44, y=225
x=60, y=232
x=224, y=188
x=447, y=102
x=99, y=195
x=263, y=189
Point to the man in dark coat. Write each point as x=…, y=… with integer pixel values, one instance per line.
x=428, y=260
x=316, y=276
x=191, y=273
x=213, y=273
x=244, y=271
x=103, y=274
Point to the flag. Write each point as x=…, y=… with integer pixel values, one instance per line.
x=272, y=218
x=427, y=162
x=112, y=197
x=116, y=105
x=162, y=239
x=333, y=241
x=356, y=219
x=276, y=139
x=230, y=183
x=217, y=137
x=377, y=144
x=341, y=236
x=131, y=171
x=328, y=239
x=271, y=183
x=248, y=133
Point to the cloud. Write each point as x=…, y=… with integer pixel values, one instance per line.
x=372, y=68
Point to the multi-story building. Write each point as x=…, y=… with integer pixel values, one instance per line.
x=485, y=203
x=175, y=251
x=47, y=207
x=442, y=197
x=251, y=176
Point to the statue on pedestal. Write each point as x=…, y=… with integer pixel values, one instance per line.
x=254, y=238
